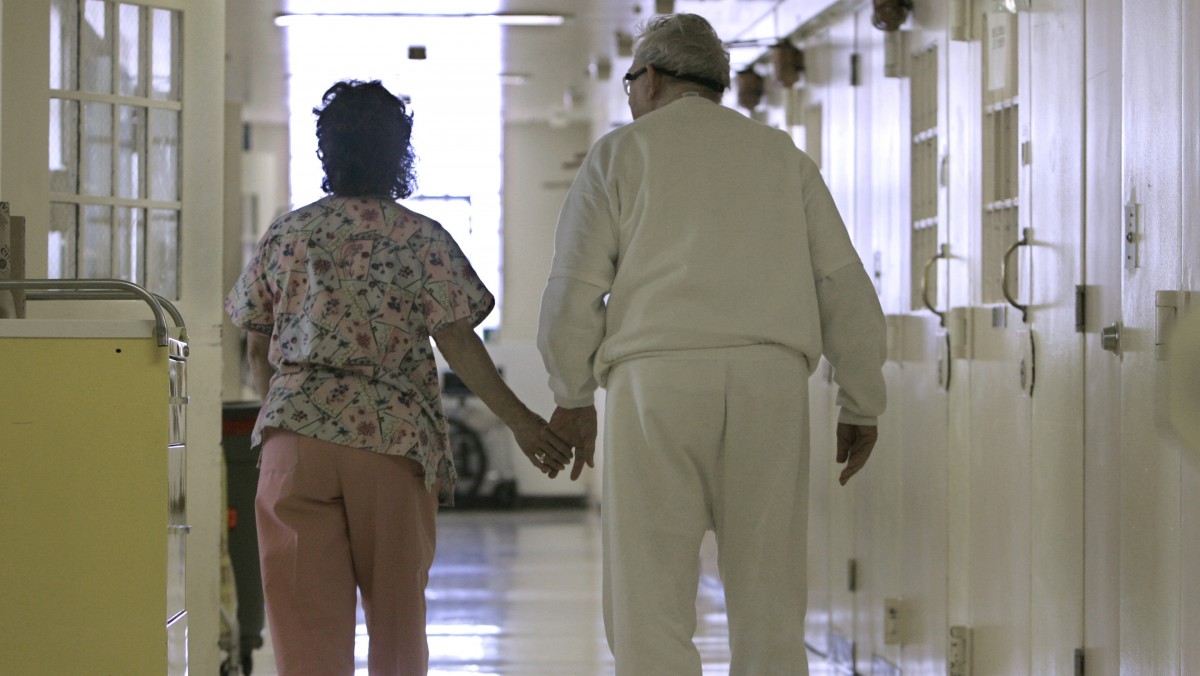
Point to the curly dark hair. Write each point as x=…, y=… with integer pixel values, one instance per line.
x=364, y=141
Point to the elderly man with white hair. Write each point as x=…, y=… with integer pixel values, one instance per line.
x=701, y=270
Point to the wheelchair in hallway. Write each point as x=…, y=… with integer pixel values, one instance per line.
x=486, y=477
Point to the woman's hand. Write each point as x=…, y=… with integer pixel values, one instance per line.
x=545, y=449
x=467, y=357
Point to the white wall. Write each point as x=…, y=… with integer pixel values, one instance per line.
x=539, y=165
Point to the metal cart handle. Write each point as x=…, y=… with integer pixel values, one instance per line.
x=104, y=289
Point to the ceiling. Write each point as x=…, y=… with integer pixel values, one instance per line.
x=568, y=61
x=565, y=71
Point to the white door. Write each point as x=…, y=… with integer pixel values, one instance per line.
x=1158, y=479
x=1025, y=576
x=879, y=528
x=901, y=511
x=829, y=122
x=918, y=406
x=998, y=406
x=1055, y=57
x=1102, y=370
x=1190, y=282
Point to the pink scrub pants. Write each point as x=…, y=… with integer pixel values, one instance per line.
x=333, y=520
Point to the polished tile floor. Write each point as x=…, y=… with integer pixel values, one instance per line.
x=518, y=592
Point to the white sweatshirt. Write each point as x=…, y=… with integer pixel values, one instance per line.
x=695, y=227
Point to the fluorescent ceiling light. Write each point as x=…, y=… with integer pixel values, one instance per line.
x=514, y=78
x=285, y=20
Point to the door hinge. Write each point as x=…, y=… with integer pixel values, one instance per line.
x=891, y=622
x=1079, y=662
x=958, y=658
x=1080, y=308
x=854, y=62
x=852, y=575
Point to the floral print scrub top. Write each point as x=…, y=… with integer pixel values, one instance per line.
x=350, y=290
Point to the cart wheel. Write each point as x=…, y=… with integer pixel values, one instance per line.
x=470, y=460
x=506, y=494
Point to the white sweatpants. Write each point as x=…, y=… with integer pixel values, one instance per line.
x=696, y=441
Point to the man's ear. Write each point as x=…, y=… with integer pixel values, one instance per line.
x=655, y=81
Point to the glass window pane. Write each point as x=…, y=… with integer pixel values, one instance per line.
x=64, y=44
x=164, y=54
x=112, y=150
x=95, y=48
x=129, y=30
x=129, y=248
x=95, y=242
x=64, y=145
x=131, y=152
x=162, y=253
x=64, y=231
x=95, y=161
x=163, y=170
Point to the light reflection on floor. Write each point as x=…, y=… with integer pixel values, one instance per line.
x=518, y=593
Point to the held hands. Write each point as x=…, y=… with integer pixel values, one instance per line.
x=854, y=444
x=578, y=427
x=546, y=450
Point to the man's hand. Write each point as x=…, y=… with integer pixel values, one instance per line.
x=546, y=450
x=854, y=444
x=577, y=426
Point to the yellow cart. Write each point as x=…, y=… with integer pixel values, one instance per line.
x=92, y=499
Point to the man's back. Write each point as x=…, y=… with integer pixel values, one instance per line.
x=714, y=221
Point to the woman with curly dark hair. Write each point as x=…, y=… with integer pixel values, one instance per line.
x=339, y=303
x=364, y=141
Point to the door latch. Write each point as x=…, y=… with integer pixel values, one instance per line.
x=1110, y=338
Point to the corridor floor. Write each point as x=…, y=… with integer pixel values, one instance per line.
x=518, y=592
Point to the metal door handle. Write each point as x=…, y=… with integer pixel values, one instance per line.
x=943, y=253
x=1024, y=241
x=1110, y=338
